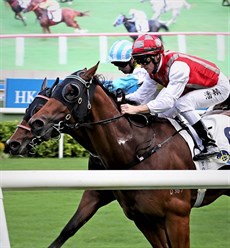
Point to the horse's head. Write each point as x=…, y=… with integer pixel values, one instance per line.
x=70, y=102
x=119, y=20
x=23, y=141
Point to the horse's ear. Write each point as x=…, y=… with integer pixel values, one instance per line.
x=54, y=84
x=90, y=73
x=44, y=84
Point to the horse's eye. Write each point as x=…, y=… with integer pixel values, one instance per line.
x=71, y=92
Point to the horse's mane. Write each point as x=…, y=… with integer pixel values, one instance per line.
x=100, y=80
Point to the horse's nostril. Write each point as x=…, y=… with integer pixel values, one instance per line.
x=14, y=145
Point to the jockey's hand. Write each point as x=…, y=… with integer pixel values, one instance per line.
x=131, y=109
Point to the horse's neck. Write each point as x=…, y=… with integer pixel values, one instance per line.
x=120, y=141
x=109, y=139
x=40, y=12
x=81, y=136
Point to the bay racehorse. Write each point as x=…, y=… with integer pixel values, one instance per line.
x=17, y=9
x=81, y=103
x=68, y=17
x=161, y=7
x=154, y=25
x=23, y=143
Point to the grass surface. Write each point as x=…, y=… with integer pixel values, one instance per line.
x=35, y=218
x=42, y=54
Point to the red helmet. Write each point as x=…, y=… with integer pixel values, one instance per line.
x=147, y=45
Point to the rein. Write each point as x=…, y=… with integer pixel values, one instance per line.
x=88, y=124
x=149, y=152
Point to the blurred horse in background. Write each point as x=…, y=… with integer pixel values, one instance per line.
x=68, y=17
x=154, y=25
x=161, y=7
x=18, y=6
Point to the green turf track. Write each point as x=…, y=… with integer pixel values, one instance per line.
x=35, y=218
x=42, y=54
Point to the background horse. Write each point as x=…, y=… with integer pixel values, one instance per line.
x=17, y=9
x=161, y=216
x=154, y=25
x=161, y=7
x=68, y=17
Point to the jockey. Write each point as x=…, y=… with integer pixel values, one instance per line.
x=53, y=9
x=140, y=19
x=189, y=83
x=120, y=56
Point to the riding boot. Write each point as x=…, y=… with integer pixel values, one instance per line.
x=210, y=147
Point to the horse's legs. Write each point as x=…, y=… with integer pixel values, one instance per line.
x=46, y=30
x=19, y=16
x=178, y=230
x=156, y=16
x=73, y=24
x=91, y=201
x=175, y=13
x=154, y=233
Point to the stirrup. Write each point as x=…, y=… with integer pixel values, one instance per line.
x=205, y=154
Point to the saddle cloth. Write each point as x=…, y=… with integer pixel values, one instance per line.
x=219, y=128
x=56, y=15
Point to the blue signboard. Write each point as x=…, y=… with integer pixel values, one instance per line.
x=20, y=92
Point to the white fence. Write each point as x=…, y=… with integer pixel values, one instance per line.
x=127, y=180
x=103, y=43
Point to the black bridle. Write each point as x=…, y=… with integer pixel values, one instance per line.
x=77, y=109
